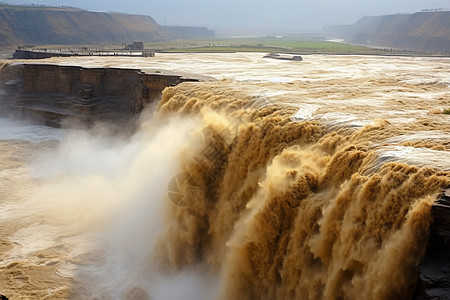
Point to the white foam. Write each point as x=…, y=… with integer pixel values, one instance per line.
x=103, y=199
x=305, y=112
x=437, y=159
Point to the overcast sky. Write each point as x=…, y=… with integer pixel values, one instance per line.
x=257, y=14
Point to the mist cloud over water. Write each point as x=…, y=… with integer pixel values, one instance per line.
x=104, y=199
x=118, y=188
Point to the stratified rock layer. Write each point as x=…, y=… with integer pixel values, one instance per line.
x=434, y=272
x=51, y=93
x=67, y=26
x=429, y=31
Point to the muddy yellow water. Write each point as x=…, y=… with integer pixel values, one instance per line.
x=280, y=180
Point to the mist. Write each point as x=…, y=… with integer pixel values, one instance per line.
x=105, y=197
x=281, y=16
x=115, y=190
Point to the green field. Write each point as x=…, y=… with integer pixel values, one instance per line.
x=272, y=44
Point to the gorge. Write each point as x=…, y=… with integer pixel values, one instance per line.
x=323, y=182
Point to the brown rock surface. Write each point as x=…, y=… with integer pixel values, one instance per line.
x=50, y=93
x=428, y=31
x=71, y=26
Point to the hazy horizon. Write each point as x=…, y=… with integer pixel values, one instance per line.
x=279, y=16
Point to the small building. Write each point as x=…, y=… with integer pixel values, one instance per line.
x=135, y=46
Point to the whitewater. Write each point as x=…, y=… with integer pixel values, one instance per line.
x=276, y=180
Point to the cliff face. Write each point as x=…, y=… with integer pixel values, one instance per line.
x=434, y=271
x=69, y=26
x=50, y=93
x=428, y=31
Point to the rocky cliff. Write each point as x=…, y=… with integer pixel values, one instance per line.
x=51, y=93
x=429, y=31
x=37, y=26
x=434, y=271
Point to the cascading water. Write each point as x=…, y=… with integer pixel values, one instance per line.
x=290, y=211
x=288, y=186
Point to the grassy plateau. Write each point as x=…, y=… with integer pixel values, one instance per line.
x=274, y=44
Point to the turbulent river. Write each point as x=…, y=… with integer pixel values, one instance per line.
x=279, y=180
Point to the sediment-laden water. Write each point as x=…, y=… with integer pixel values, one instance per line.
x=281, y=180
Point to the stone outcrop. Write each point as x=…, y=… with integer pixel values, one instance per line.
x=434, y=271
x=51, y=93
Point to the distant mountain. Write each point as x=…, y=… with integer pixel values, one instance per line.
x=429, y=31
x=69, y=26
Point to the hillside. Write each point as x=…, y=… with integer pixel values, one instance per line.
x=46, y=25
x=428, y=31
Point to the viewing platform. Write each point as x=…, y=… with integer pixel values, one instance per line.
x=41, y=53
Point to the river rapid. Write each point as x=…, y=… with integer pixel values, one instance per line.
x=278, y=180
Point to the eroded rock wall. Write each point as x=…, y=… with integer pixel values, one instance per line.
x=434, y=271
x=49, y=25
x=51, y=93
x=426, y=31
